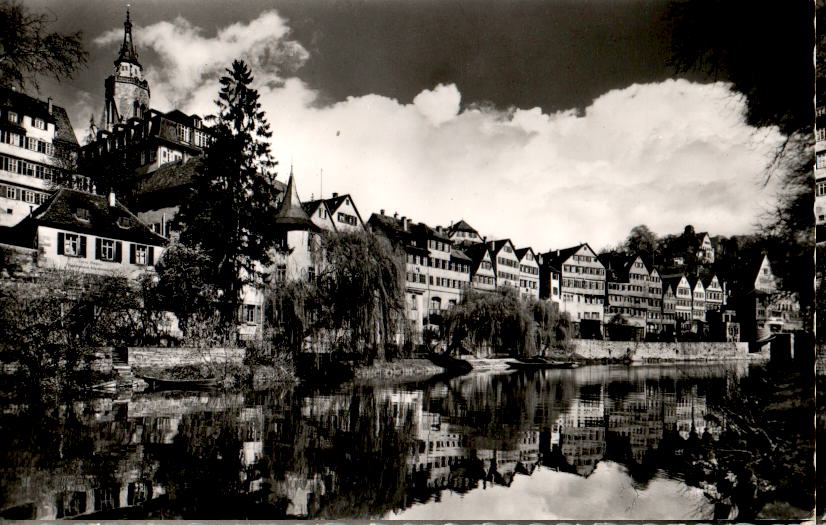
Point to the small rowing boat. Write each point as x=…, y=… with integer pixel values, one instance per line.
x=538, y=363
x=157, y=383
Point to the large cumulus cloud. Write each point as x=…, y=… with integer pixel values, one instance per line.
x=664, y=154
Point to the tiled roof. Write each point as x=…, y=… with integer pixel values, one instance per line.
x=30, y=106
x=460, y=255
x=311, y=206
x=475, y=252
x=463, y=226
x=557, y=257
x=393, y=228
x=116, y=222
x=170, y=175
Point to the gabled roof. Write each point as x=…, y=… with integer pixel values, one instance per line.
x=495, y=246
x=693, y=280
x=476, y=253
x=520, y=253
x=673, y=280
x=334, y=203
x=617, y=265
x=27, y=105
x=312, y=206
x=462, y=226
x=558, y=257
x=707, y=280
x=115, y=222
x=290, y=214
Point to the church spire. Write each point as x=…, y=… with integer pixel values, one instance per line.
x=127, y=49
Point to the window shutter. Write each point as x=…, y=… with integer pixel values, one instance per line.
x=131, y=253
x=83, y=246
x=118, y=251
x=97, y=248
x=150, y=256
x=60, y=243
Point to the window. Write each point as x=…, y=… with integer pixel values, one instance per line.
x=281, y=273
x=821, y=189
x=8, y=137
x=82, y=214
x=107, y=250
x=311, y=276
x=347, y=219
x=820, y=159
x=142, y=255
x=248, y=313
x=821, y=134
x=13, y=117
x=71, y=244
x=39, y=123
x=124, y=222
x=184, y=133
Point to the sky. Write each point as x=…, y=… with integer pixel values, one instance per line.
x=606, y=494
x=548, y=122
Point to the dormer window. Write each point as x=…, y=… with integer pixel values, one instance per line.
x=82, y=214
x=39, y=123
x=125, y=222
x=13, y=117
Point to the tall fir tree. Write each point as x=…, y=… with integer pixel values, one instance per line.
x=228, y=217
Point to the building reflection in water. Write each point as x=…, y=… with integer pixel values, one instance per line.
x=362, y=451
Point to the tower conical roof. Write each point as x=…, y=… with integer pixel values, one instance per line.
x=127, y=49
x=290, y=214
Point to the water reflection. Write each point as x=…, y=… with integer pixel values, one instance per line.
x=556, y=444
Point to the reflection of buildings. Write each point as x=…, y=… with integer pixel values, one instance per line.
x=635, y=423
x=317, y=455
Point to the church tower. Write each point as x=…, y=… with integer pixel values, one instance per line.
x=127, y=93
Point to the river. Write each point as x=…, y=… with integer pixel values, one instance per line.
x=597, y=442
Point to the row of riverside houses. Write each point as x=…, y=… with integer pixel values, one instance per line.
x=52, y=216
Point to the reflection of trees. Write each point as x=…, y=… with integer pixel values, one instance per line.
x=364, y=451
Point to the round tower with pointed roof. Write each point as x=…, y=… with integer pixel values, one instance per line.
x=127, y=93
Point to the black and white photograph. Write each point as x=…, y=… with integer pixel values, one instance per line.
x=417, y=260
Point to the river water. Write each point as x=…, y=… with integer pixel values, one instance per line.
x=596, y=442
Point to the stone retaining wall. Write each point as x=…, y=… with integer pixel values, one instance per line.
x=169, y=357
x=641, y=351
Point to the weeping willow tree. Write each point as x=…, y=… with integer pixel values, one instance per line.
x=503, y=322
x=355, y=303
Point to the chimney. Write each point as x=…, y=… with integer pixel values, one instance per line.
x=382, y=212
x=49, y=103
x=395, y=215
x=111, y=198
x=405, y=222
x=335, y=195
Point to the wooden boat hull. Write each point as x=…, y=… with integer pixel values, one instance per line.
x=156, y=383
x=539, y=366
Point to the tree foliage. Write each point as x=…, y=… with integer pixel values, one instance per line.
x=355, y=303
x=48, y=325
x=504, y=322
x=641, y=240
x=183, y=287
x=28, y=50
x=228, y=218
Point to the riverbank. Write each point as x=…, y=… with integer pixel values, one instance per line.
x=399, y=367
